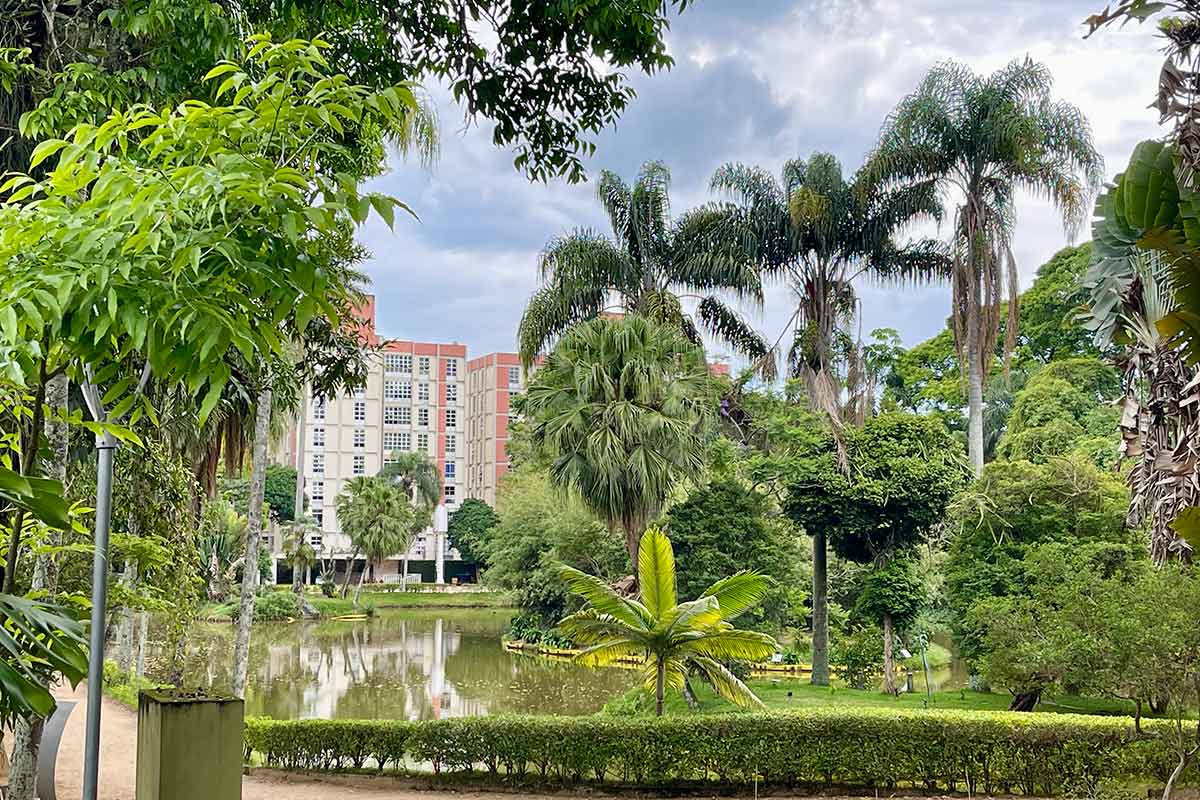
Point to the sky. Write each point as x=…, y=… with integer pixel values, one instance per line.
x=756, y=81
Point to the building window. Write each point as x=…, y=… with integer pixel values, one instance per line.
x=318, y=492
x=360, y=392
x=360, y=465
x=405, y=365
x=397, y=415
x=360, y=438
x=318, y=463
x=451, y=392
x=319, y=437
x=422, y=392
x=393, y=390
x=319, y=517
x=395, y=440
x=397, y=362
x=315, y=541
x=360, y=410
x=514, y=376
x=318, y=409
x=423, y=442
x=423, y=365
x=451, y=418
x=423, y=417
x=452, y=368
x=450, y=495
x=451, y=444
x=450, y=470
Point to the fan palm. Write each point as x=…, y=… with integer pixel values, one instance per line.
x=379, y=519
x=298, y=550
x=985, y=138
x=624, y=409
x=670, y=637
x=640, y=265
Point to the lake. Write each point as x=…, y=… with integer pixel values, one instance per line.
x=400, y=664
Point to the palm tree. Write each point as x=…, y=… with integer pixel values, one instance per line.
x=298, y=550
x=417, y=474
x=581, y=272
x=624, y=408
x=377, y=516
x=818, y=234
x=670, y=637
x=985, y=138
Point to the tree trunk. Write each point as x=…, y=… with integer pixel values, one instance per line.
x=889, y=657
x=975, y=366
x=29, y=440
x=27, y=734
x=349, y=575
x=1184, y=759
x=633, y=540
x=820, y=610
x=404, y=574
x=301, y=433
x=358, y=588
x=660, y=687
x=143, y=632
x=258, y=477
x=1025, y=701
x=125, y=628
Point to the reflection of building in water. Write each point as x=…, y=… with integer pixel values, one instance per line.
x=404, y=667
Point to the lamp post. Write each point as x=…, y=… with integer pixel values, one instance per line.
x=105, y=445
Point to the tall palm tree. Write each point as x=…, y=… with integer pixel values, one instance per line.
x=624, y=408
x=377, y=516
x=583, y=271
x=817, y=233
x=670, y=637
x=417, y=474
x=985, y=138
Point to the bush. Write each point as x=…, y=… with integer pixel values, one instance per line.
x=858, y=657
x=1037, y=754
x=275, y=606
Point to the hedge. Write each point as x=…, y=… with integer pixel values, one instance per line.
x=1037, y=754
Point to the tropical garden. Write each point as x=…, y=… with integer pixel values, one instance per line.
x=778, y=558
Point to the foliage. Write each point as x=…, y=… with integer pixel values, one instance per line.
x=1014, y=506
x=417, y=475
x=276, y=606
x=1051, y=328
x=670, y=637
x=221, y=536
x=644, y=265
x=724, y=527
x=280, y=492
x=894, y=590
x=39, y=642
x=1065, y=408
x=538, y=528
x=470, y=528
x=625, y=408
x=378, y=517
x=857, y=655
x=982, y=752
x=903, y=471
x=986, y=137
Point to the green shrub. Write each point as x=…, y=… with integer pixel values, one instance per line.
x=276, y=606
x=881, y=748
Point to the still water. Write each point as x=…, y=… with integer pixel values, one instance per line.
x=403, y=664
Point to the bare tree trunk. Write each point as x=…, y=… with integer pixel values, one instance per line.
x=1184, y=759
x=660, y=686
x=820, y=610
x=143, y=632
x=633, y=541
x=1025, y=701
x=358, y=587
x=349, y=575
x=889, y=657
x=258, y=477
x=404, y=575
x=125, y=629
x=975, y=367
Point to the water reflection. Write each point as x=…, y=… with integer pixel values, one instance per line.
x=398, y=665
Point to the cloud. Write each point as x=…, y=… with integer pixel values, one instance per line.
x=757, y=81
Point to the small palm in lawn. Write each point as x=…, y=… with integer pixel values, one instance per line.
x=670, y=637
x=641, y=266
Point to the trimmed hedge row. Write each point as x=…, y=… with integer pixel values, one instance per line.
x=1041, y=754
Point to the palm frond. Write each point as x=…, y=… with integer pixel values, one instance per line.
x=739, y=592
x=602, y=598
x=656, y=572
x=726, y=684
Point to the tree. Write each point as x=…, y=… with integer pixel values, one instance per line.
x=299, y=551
x=903, y=471
x=723, y=527
x=986, y=138
x=1051, y=328
x=417, y=475
x=892, y=597
x=379, y=519
x=670, y=637
x=279, y=494
x=643, y=265
x=624, y=407
x=470, y=528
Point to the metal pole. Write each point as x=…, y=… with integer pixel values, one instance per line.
x=95, y=687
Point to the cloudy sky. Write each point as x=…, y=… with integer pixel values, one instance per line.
x=757, y=81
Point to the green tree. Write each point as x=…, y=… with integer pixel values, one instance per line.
x=624, y=407
x=379, y=519
x=670, y=637
x=642, y=265
x=470, y=528
x=986, y=138
x=903, y=472
x=279, y=492
x=1051, y=328
x=417, y=475
x=723, y=527
x=298, y=550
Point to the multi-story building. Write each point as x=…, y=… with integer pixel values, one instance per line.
x=492, y=381
x=414, y=400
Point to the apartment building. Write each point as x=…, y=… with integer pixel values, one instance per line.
x=492, y=381
x=414, y=400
